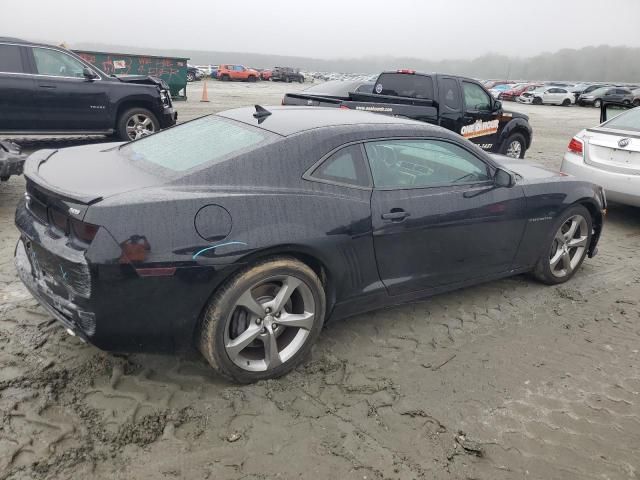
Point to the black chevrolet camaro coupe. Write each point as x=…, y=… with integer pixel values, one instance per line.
x=243, y=232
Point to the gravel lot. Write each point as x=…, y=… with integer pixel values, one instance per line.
x=506, y=380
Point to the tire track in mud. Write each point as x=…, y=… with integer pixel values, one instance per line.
x=543, y=381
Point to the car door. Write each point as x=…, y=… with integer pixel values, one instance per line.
x=65, y=99
x=437, y=217
x=480, y=123
x=550, y=96
x=17, y=109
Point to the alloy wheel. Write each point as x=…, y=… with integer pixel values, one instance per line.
x=569, y=246
x=139, y=125
x=514, y=150
x=269, y=323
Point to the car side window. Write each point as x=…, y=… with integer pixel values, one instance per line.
x=450, y=93
x=423, y=163
x=56, y=63
x=10, y=59
x=475, y=98
x=346, y=166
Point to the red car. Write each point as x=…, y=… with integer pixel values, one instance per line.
x=265, y=75
x=517, y=90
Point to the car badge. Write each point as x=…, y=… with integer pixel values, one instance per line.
x=623, y=142
x=74, y=211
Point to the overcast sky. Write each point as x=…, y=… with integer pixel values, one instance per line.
x=431, y=29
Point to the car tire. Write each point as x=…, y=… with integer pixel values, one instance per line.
x=225, y=78
x=226, y=319
x=252, y=78
x=537, y=101
x=566, y=102
x=129, y=121
x=510, y=146
x=190, y=77
x=548, y=272
x=597, y=103
x=301, y=80
x=626, y=102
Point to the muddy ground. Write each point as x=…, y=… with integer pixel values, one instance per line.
x=507, y=380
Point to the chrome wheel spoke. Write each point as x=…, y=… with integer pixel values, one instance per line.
x=271, y=353
x=284, y=294
x=247, y=301
x=235, y=346
x=577, y=242
x=572, y=230
x=555, y=259
x=299, y=320
x=566, y=262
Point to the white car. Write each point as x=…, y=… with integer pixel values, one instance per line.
x=609, y=155
x=548, y=95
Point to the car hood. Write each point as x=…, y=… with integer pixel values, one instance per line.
x=88, y=173
x=143, y=80
x=524, y=168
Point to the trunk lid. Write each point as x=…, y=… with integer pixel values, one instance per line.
x=613, y=150
x=86, y=174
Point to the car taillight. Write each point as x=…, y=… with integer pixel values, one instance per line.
x=575, y=146
x=85, y=232
x=59, y=220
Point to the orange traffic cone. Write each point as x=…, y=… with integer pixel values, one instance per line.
x=205, y=94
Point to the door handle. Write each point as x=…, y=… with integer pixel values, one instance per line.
x=44, y=85
x=395, y=215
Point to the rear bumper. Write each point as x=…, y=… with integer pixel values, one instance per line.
x=619, y=187
x=103, y=299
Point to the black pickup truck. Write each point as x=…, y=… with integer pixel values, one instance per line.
x=456, y=103
x=46, y=89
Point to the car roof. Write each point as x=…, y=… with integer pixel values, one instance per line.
x=289, y=120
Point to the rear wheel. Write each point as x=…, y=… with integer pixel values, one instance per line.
x=136, y=123
x=568, y=244
x=566, y=102
x=514, y=146
x=225, y=78
x=263, y=322
x=190, y=77
x=626, y=102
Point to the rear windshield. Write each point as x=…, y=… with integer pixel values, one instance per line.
x=209, y=139
x=333, y=88
x=629, y=120
x=404, y=85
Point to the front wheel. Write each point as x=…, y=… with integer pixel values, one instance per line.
x=263, y=322
x=515, y=146
x=537, y=101
x=568, y=243
x=597, y=103
x=190, y=77
x=136, y=123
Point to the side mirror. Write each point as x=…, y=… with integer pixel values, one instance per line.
x=89, y=74
x=505, y=179
x=497, y=105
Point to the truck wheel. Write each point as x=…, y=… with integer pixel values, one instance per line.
x=136, y=123
x=190, y=77
x=263, y=321
x=537, y=101
x=568, y=243
x=514, y=146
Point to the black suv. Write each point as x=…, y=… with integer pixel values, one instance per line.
x=46, y=89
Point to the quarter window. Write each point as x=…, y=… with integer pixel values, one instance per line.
x=56, y=63
x=10, y=59
x=344, y=166
x=450, y=93
x=475, y=98
x=423, y=163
